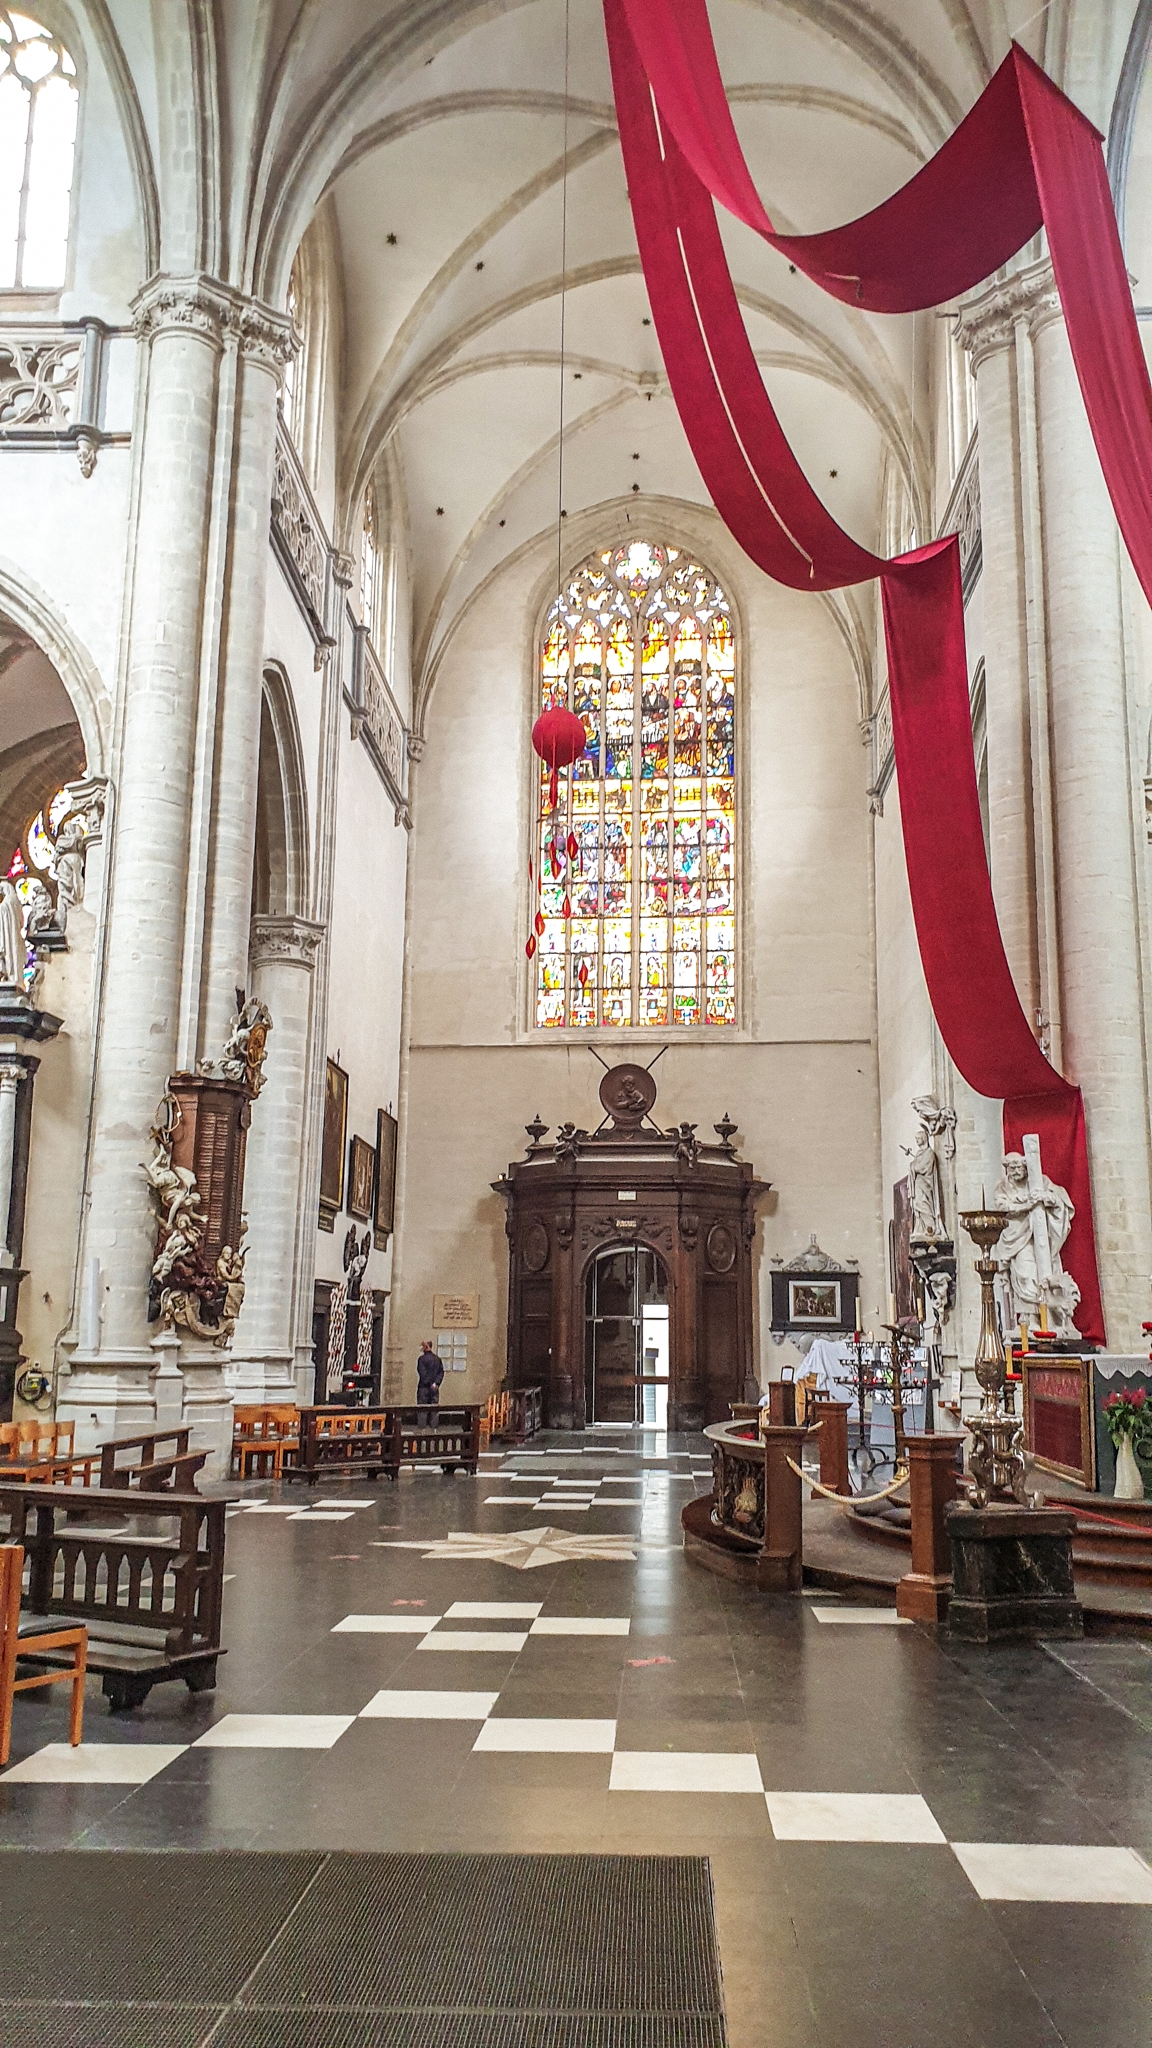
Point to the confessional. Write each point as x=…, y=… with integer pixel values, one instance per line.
x=630, y=1267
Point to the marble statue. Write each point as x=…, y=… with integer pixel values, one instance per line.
x=1028, y=1254
x=68, y=864
x=41, y=913
x=13, y=952
x=924, y=1186
x=245, y=1047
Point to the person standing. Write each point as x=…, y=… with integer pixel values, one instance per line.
x=429, y=1373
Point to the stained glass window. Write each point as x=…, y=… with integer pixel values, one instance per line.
x=637, y=920
x=38, y=103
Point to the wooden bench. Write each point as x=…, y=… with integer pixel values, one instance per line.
x=264, y=1440
x=380, y=1440
x=28, y=1639
x=40, y=1450
x=151, y=1603
x=516, y=1414
x=153, y=1470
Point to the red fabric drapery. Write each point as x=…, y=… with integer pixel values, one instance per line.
x=1024, y=157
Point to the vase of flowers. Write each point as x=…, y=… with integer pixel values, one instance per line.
x=1130, y=1428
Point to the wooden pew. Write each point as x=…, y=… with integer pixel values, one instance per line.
x=154, y=1470
x=264, y=1440
x=380, y=1440
x=30, y=1640
x=38, y=1450
x=151, y=1603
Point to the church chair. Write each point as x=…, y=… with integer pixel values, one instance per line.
x=33, y=1644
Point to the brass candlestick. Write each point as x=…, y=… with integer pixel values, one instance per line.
x=997, y=1461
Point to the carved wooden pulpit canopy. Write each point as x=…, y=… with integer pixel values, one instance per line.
x=630, y=1266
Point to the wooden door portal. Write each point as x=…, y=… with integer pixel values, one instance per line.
x=630, y=1267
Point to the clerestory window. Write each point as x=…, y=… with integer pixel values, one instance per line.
x=38, y=108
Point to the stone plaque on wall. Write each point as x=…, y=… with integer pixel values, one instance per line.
x=456, y=1311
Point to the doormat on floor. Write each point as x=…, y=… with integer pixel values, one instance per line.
x=239, y=1949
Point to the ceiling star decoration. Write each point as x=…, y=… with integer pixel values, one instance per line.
x=525, y=1549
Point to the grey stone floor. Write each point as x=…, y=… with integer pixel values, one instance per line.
x=911, y=1843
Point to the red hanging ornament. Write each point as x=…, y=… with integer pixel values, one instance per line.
x=566, y=907
x=573, y=846
x=559, y=738
x=539, y=922
x=530, y=948
x=582, y=977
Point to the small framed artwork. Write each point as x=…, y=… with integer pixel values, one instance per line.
x=332, y=1150
x=384, y=1211
x=815, y=1303
x=361, y=1174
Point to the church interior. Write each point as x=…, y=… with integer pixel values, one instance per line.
x=575, y=917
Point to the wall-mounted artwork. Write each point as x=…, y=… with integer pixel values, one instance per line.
x=814, y=1301
x=361, y=1175
x=384, y=1214
x=332, y=1153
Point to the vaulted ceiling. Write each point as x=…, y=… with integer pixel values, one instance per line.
x=464, y=154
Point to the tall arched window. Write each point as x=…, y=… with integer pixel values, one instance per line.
x=38, y=103
x=291, y=383
x=648, y=933
x=370, y=568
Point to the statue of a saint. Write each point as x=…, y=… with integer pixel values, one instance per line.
x=1028, y=1254
x=924, y=1187
x=68, y=863
x=13, y=953
x=41, y=911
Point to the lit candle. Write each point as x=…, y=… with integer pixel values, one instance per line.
x=857, y=1315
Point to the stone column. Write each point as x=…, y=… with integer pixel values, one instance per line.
x=264, y=343
x=1098, y=811
x=179, y=323
x=263, y=1363
x=988, y=330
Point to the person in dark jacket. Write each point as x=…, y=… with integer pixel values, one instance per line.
x=429, y=1373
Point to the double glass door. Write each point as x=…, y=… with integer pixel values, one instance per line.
x=626, y=1348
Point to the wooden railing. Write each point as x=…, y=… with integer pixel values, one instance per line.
x=151, y=1602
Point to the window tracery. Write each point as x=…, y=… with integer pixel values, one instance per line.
x=39, y=100
x=292, y=377
x=640, y=646
x=370, y=567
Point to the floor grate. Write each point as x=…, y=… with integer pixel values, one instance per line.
x=178, y=1949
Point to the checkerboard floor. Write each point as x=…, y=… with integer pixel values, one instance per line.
x=525, y=1661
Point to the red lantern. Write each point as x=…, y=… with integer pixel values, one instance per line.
x=559, y=738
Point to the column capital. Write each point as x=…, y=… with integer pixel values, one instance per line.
x=293, y=940
x=989, y=318
x=203, y=305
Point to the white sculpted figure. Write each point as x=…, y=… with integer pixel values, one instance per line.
x=13, y=953
x=924, y=1186
x=41, y=916
x=68, y=862
x=1028, y=1254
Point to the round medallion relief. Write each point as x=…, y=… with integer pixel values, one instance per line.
x=720, y=1247
x=534, y=1248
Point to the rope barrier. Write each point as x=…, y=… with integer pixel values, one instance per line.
x=850, y=1500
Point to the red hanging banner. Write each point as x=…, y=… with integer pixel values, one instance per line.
x=1023, y=157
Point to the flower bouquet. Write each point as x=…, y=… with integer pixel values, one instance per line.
x=1129, y=1418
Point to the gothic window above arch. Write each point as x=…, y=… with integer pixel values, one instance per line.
x=292, y=381
x=38, y=107
x=641, y=929
x=370, y=567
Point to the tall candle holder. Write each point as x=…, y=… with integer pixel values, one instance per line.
x=997, y=1463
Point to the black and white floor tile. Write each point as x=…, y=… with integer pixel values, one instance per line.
x=877, y=1805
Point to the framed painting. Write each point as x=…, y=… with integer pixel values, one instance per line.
x=361, y=1175
x=332, y=1150
x=384, y=1211
x=814, y=1303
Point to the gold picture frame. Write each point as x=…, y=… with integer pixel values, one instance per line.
x=332, y=1148
x=384, y=1206
x=361, y=1176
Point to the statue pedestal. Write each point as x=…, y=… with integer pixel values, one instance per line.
x=1011, y=1573
x=923, y=1593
